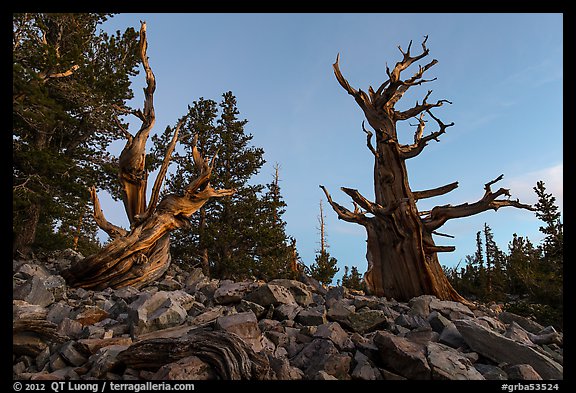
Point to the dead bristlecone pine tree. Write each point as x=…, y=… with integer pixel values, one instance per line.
x=402, y=256
x=141, y=254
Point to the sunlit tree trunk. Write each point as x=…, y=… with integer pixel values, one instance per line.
x=141, y=255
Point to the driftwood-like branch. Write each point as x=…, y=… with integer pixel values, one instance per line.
x=112, y=230
x=370, y=207
x=435, y=191
x=419, y=108
x=410, y=151
x=361, y=97
x=369, y=135
x=162, y=173
x=132, y=160
x=440, y=214
x=343, y=213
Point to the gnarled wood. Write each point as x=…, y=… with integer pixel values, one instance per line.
x=230, y=357
x=401, y=253
x=142, y=254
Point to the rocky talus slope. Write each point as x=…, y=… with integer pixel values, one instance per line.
x=190, y=327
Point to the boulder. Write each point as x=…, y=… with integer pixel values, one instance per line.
x=156, y=311
x=403, y=356
x=447, y=363
x=186, y=369
x=232, y=292
x=33, y=291
x=333, y=332
x=301, y=292
x=270, y=294
x=244, y=325
x=498, y=348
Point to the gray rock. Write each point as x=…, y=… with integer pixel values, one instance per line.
x=105, y=360
x=257, y=309
x=498, y=348
x=27, y=270
x=422, y=335
x=491, y=372
x=516, y=333
x=232, y=292
x=301, y=292
x=313, y=356
x=287, y=311
x=449, y=364
x=209, y=316
x=420, y=305
x=71, y=355
x=244, y=325
x=186, y=369
x=284, y=370
x=402, y=356
x=333, y=332
x=324, y=376
x=312, y=316
x=365, y=369
x=42, y=359
x=366, y=321
x=412, y=321
x=527, y=324
x=522, y=372
x=56, y=285
x=70, y=328
x=550, y=337
x=450, y=308
x=58, y=312
x=452, y=337
x=270, y=294
x=360, y=301
x=154, y=312
x=340, y=310
x=438, y=321
x=33, y=291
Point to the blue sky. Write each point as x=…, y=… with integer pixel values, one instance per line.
x=502, y=72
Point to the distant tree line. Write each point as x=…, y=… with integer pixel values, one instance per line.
x=526, y=277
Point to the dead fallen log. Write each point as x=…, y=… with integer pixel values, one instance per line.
x=229, y=356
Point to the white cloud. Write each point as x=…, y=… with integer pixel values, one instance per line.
x=522, y=186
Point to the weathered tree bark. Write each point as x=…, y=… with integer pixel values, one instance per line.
x=141, y=255
x=230, y=357
x=401, y=253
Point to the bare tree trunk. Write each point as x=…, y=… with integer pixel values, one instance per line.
x=204, y=250
x=401, y=253
x=142, y=254
x=25, y=237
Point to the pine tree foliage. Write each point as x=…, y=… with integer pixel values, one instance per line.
x=68, y=78
x=325, y=266
x=352, y=279
x=528, y=278
x=242, y=236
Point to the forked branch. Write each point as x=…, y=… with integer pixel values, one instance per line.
x=440, y=214
x=343, y=213
x=112, y=230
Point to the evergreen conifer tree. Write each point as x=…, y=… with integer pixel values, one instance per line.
x=68, y=81
x=242, y=236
